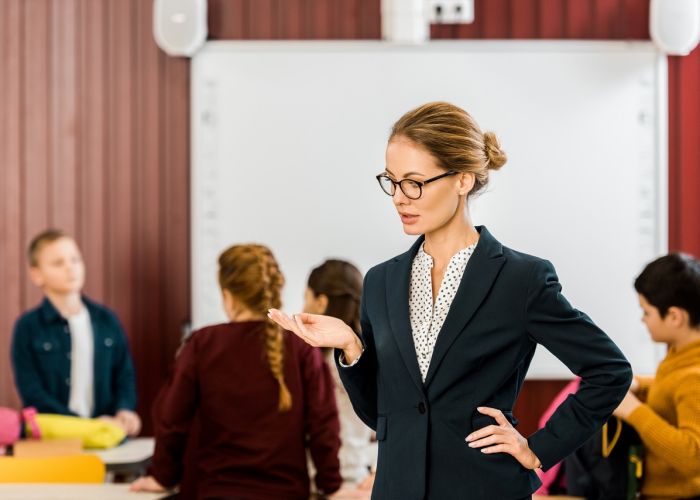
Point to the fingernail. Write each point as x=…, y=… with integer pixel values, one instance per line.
x=480, y=408
x=469, y=437
x=471, y=445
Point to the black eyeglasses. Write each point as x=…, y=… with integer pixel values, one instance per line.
x=411, y=188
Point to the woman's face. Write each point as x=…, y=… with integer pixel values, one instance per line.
x=314, y=304
x=440, y=200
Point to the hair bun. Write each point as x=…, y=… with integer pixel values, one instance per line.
x=495, y=155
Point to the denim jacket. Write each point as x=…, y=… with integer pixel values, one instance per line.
x=41, y=350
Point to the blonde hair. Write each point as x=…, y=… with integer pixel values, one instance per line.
x=454, y=139
x=251, y=274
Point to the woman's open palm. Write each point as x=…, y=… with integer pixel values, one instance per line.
x=315, y=329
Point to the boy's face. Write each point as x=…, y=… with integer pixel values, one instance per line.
x=59, y=268
x=661, y=329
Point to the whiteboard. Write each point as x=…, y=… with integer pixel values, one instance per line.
x=288, y=136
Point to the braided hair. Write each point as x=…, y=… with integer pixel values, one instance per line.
x=251, y=274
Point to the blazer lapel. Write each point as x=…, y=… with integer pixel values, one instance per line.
x=398, y=278
x=481, y=271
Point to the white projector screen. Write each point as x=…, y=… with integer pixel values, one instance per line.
x=287, y=139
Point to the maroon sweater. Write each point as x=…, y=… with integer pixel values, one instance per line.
x=246, y=447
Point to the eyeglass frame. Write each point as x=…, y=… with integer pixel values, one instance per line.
x=419, y=183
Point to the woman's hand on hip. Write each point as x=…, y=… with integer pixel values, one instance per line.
x=503, y=438
x=318, y=330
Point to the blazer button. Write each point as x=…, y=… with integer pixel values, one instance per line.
x=421, y=407
x=47, y=346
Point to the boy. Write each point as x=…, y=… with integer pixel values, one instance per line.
x=70, y=355
x=665, y=410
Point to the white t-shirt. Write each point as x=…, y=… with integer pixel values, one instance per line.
x=82, y=364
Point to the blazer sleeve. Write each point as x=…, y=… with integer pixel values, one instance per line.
x=27, y=375
x=588, y=352
x=360, y=379
x=123, y=372
x=322, y=423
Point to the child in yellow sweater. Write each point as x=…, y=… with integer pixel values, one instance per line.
x=665, y=410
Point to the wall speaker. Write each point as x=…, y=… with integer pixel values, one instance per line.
x=675, y=25
x=180, y=26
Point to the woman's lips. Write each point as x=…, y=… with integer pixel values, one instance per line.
x=409, y=219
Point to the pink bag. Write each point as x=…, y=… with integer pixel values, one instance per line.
x=11, y=424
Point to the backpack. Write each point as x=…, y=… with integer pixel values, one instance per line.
x=11, y=424
x=608, y=466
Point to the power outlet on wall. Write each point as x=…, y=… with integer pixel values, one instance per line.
x=450, y=11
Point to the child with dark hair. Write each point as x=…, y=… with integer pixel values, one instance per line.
x=334, y=289
x=665, y=410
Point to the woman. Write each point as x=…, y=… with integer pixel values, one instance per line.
x=258, y=396
x=449, y=329
x=334, y=288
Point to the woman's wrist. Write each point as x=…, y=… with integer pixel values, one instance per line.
x=353, y=350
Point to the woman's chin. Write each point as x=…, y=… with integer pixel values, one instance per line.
x=412, y=230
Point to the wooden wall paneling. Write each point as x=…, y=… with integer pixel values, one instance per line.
x=608, y=19
x=687, y=185
x=146, y=192
x=37, y=117
x=636, y=19
x=174, y=270
x=551, y=16
x=63, y=127
x=93, y=188
x=227, y=19
x=579, y=20
x=497, y=18
x=674, y=145
x=524, y=18
x=120, y=162
x=345, y=20
x=261, y=20
x=12, y=260
x=319, y=16
x=290, y=20
x=369, y=20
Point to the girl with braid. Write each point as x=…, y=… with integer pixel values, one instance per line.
x=334, y=288
x=261, y=398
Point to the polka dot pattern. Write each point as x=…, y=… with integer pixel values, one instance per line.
x=427, y=318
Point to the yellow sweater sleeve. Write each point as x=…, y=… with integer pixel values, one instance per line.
x=644, y=382
x=678, y=446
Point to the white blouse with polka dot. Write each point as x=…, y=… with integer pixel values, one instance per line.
x=427, y=318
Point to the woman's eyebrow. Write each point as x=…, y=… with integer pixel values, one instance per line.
x=409, y=173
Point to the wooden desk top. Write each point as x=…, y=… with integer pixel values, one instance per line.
x=62, y=491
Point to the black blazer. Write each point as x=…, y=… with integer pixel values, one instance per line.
x=507, y=303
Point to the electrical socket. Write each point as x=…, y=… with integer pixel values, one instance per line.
x=450, y=11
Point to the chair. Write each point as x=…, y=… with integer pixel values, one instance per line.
x=66, y=469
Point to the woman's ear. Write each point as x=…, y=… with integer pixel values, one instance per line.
x=322, y=299
x=466, y=183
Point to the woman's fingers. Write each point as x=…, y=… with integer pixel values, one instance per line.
x=483, y=432
x=497, y=414
x=305, y=333
x=492, y=439
x=500, y=448
x=283, y=320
